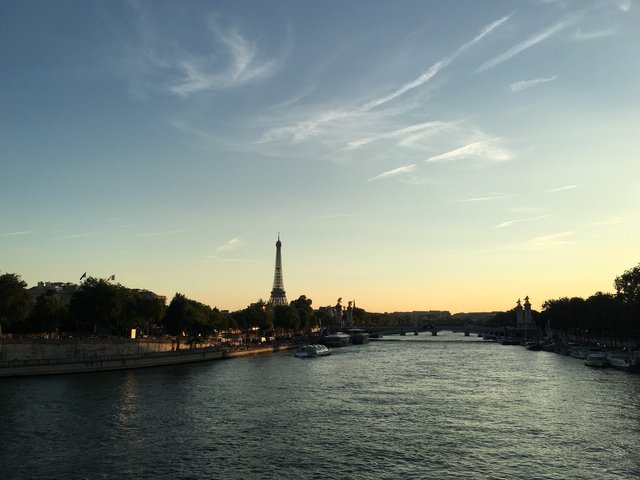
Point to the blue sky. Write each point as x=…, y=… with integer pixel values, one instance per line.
x=413, y=155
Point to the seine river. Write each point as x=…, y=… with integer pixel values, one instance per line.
x=445, y=407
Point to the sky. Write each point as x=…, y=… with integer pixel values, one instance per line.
x=412, y=155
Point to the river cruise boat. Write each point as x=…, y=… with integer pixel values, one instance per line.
x=337, y=340
x=311, y=351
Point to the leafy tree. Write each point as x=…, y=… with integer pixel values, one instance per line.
x=286, y=318
x=142, y=311
x=565, y=313
x=603, y=314
x=189, y=317
x=260, y=315
x=628, y=286
x=305, y=313
x=15, y=302
x=48, y=315
x=99, y=307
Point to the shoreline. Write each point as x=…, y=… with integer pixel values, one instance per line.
x=103, y=363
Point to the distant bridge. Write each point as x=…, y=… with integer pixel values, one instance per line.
x=434, y=329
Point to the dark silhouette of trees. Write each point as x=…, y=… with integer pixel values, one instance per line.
x=190, y=317
x=98, y=307
x=305, y=313
x=286, y=318
x=628, y=286
x=102, y=308
x=602, y=314
x=49, y=314
x=628, y=292
x=15, y=302
x=143, y=311
x=503, y=319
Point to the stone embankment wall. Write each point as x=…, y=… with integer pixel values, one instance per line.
x=37, y=349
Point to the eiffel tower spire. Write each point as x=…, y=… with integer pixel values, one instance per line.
x=278, y=295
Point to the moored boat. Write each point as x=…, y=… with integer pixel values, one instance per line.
x=337, y=340
x=311, y=351
x=534, y=346
x=358, y=336
x=579, y=352
x=619, y=360
x=596, y=359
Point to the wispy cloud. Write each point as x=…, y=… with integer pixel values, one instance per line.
x=508, y=223
x=484, y=199
x=397, y=133
x=227, y=57
x=524, y=84
x=484, y=150
x=546, y=242
x=243, y=64
x=76, y=235
x=605, y=222
x=581, y=36
x=561, y=189
x=436, y=67
x=394, y=172
x=160, y=234
x=520, y=47
x=15, y=234
x=624, y=5
x=231, y=245
x=318, y=122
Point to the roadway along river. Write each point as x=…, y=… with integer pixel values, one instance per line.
x=412, y=408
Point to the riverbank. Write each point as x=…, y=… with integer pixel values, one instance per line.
x=95, y=362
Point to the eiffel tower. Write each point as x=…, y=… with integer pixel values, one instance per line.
x=278, y=295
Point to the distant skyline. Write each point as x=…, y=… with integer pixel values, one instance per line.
x=413, y=155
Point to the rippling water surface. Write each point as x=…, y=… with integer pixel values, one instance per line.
x=413, y=407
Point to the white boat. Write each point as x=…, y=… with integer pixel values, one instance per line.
x=596, y=359
x=579, y=352
x=620, y=360
x=311, y=351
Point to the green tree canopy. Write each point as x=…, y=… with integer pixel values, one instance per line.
x=628, y=286
x=99, y=307
x=49, y=314
x=15, y=301
x=186, y=316
x=286, y=318
x=305, y=313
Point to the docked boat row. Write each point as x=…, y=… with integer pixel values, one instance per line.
x=353, y=336
x=622, y=360
x=628, y=360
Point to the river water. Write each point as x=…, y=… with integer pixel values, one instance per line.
x=446, y=407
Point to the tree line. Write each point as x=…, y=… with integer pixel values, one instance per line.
x=102, y=308
x=600, y=315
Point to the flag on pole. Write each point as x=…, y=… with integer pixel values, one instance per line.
x=83, y=275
